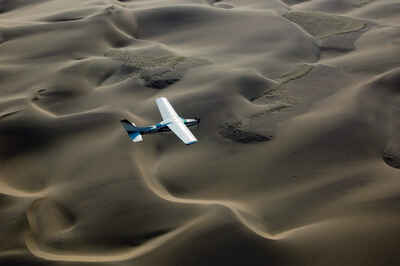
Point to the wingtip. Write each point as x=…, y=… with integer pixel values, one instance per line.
x=160, y=99
x=190, y=143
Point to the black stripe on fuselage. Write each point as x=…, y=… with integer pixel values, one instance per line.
x=158, y=128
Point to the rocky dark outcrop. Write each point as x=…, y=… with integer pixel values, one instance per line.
x=156, y=67
x=235, y=133
x=391, y=155
x=160, y=78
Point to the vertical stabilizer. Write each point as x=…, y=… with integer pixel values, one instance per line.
x=132, y=131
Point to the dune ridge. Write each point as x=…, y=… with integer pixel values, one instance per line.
x=239, y=211
x=120, y=255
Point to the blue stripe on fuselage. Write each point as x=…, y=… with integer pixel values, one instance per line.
x=153, y=129
x=161, y=127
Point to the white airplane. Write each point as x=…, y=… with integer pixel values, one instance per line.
x=171, y=122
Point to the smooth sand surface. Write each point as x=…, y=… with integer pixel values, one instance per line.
x=298, y=159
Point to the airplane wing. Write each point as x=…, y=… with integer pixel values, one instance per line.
x=179, y=128
x=166, y=110
x=174, y=122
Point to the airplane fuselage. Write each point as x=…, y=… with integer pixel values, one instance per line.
x=163, y=127
x=171, y=122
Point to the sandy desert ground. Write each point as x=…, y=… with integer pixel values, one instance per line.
x=299, y=147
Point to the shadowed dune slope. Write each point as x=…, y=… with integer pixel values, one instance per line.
x=299, y=147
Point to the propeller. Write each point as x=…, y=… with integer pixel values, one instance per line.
x=198, y=122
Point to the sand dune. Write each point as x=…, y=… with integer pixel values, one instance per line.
x=299, y=152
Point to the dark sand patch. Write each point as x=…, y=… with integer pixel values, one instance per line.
x=234, y=132
x=322, y=25
x=156, y=67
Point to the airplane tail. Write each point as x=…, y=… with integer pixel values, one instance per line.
x=132, y=131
